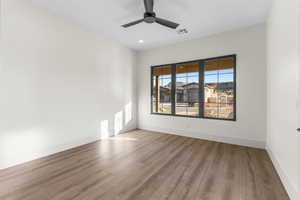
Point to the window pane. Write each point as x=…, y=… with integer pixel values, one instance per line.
x=187, y=89
x=211, y=79
x=211, y=110
x=226, y=71
x=161, y=90
x=226, y=78
x=210, y=94
x=226, y=111
x=219, y=88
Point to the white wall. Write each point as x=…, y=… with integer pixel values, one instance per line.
x=58, y=84
x=283, y=74
x=250, y=127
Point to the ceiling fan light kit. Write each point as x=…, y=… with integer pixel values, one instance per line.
x=150, y=17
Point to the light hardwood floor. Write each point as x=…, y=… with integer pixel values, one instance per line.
x=146, y=166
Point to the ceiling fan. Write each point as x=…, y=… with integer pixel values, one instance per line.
x=150, y=17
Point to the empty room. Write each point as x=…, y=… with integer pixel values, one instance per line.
x=149, y=100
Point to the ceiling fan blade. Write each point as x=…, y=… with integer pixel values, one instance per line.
x=167, y=23
x=133, y=23
x=148, y=5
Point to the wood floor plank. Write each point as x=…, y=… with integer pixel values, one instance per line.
x=144, y=165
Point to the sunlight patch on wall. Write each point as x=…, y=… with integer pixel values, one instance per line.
x=128, y=113
x=118, y=122
x=104, y=129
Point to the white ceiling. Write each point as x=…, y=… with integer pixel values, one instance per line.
x=199, y=17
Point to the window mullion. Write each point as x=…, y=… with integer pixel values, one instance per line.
x=151, y=80
x=173, y=90
x=201, y=89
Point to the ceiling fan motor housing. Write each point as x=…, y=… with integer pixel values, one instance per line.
x=149, y=17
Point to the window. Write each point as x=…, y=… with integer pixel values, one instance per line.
x=187, y=89
x=162, y=84
x=201, y=89
x=219, y=88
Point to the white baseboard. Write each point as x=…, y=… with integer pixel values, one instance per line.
x=290, y=188
x=199, y=135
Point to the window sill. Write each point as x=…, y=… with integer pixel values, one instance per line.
x=197, y=117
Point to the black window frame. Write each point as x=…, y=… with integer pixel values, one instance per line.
x=201, y=88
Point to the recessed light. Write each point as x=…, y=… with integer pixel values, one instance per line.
x=141, y=41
